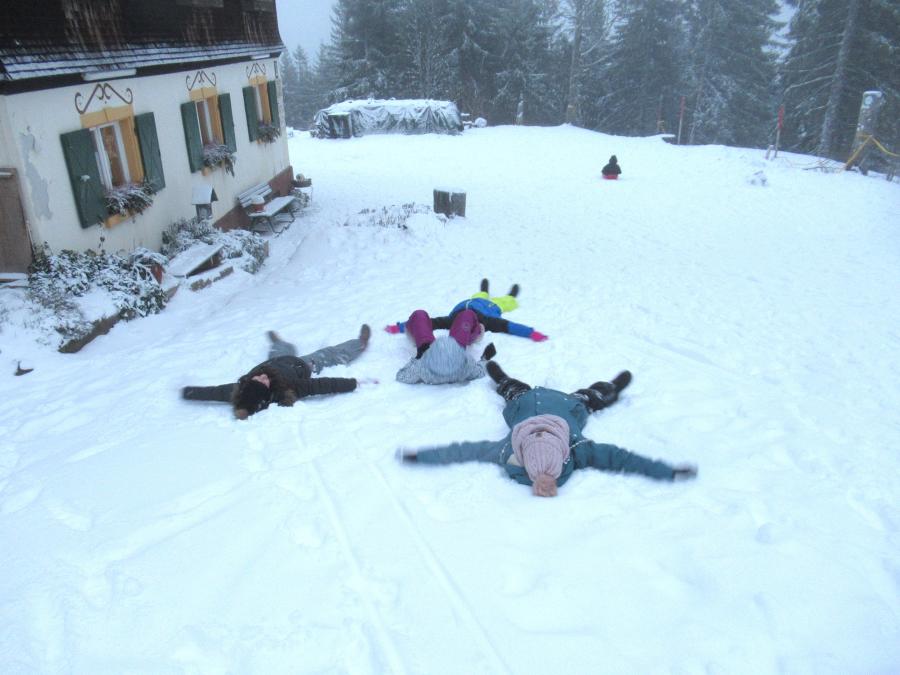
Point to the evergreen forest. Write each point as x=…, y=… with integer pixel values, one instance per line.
x=707, y=71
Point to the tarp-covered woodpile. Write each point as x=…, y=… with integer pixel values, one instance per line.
x=373, y=116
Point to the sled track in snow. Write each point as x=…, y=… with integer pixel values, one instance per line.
x=387, y=644
x=451, y=590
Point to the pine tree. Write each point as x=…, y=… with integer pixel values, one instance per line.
x=309, y=99
x=587, y=26
x=643, y=73
x=291, y=90
x=367, y=47
x=521, y=59
x=469, y=53
x=428, y=58
x=840, y=48
x=731, y=71
x=326, y=78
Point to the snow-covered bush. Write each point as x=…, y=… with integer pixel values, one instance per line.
x=268, y=132
x=127, y=199
x=57, y=280
x=216, y=154
x=247, y=248
x=389, y=216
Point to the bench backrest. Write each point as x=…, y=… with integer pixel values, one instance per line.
x=262, y=190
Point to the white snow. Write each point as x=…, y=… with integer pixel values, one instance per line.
x=145, y=534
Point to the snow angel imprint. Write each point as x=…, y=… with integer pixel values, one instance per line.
x=445, y=359
x=285, y=377
x=545, y=444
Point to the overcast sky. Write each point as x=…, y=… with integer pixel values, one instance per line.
x=304, y=22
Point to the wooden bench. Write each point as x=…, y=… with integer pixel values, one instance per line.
x=272, y=207
x=198, y=258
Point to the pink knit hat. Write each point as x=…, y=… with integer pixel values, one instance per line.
x=541, y=445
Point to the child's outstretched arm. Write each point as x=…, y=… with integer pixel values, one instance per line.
x=474, y=451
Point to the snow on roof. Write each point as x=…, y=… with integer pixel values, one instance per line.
x=385, y=116
x=47, y=38
x=18, y=64
x=391, y=105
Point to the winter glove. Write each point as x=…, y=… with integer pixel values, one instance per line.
x=537, y=337
x=393, y=329
x=489, y=352
x=682, y=472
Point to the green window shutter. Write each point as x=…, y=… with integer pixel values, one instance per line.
x=250, y=108
x=145, y=126
x=192, y=135
x=78, y=149
x=227, y=121
x=272, y=86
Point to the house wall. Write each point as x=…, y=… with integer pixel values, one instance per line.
x=30, y=128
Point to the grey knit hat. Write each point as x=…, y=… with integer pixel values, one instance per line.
x=445, y=358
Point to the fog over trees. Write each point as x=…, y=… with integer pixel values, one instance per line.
x=625, y=67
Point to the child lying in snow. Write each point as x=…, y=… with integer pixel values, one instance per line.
x=545, y=444
x=285, y=377
x=444, y=360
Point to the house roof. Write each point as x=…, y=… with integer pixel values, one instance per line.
x=56, y=38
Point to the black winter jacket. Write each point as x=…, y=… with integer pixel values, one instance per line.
x=290, y=378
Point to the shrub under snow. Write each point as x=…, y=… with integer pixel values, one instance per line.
x=58, y=280
x=247, y=249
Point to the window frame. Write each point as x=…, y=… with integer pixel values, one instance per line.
x=104, y=162
x=209, y=120
x=263, y=105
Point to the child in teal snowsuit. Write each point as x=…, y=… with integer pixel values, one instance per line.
x=545, y=444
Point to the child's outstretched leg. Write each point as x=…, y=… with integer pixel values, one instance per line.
x=419, y=328
x=342, y=353
x=507, y=387
x=506, y=303
x=603, y=394
x=280, y=347
x=466, y=328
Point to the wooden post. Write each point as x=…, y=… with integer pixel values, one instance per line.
x=866, y=127
x=778, y=130
x=450, y=202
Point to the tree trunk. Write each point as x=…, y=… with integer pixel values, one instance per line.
x=575, y=67
x=828, y=140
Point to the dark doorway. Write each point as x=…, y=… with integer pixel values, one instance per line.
x=15, y=244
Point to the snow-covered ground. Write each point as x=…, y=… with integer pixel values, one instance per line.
x=143, y=534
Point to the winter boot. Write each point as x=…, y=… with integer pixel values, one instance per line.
x=364, y=334
x=484, y=286
x=496, y=372
x=603, y=394
x=514, y=290
x=507, y=387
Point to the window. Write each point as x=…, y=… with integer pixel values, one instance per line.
x=208, y=124
x=209, y=121
x=113, y=148
x=263, y=110
x=261, y=105
x=111, y=157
